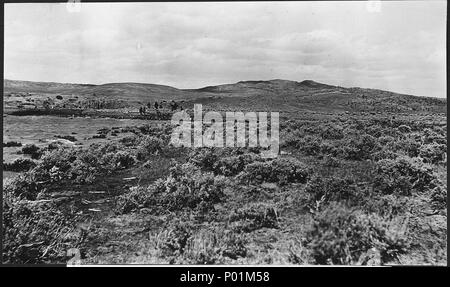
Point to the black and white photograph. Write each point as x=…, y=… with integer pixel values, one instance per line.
x=257, y=133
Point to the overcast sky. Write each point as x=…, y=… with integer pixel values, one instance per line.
x=396, y=46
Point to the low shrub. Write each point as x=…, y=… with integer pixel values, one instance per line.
x=82, y=165
x=403, y=176
x=204, y=158
x=23, y=186
x=439, y=198
x=232, y=165
x=433, y=153
x=19, y=165
x=12, y=144
x=188, y=187
x=185, y=187
x=32, y=150
x=138, y=197
x=149, y=145
x=99, y=136
x=360, y=148
x=280, y=170
x=123, y=159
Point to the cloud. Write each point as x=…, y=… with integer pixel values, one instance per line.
x=189, y=45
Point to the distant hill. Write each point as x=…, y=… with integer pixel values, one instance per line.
x=271, y=95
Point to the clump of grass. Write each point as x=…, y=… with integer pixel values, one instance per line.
x=340, y=235
x=321, y=191
x=35, y=233
x=182, y=243
x=254, y=216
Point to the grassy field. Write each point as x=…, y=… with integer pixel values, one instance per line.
x=348, y=188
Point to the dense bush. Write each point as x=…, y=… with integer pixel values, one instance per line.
x=32, y=150
x=123, y=159
x=138, y=197
x=19, y=165
x=204, y=158
x=346, y=236
x=430, y=136
x=439, y=198
x=403, y=176
x=149, y=145
x=280, y=170
x=24, y=185
x=55, y=165
x=433, y=153
x=185, y=187
x=82, y=165
x=360, y=148
x=232, y=165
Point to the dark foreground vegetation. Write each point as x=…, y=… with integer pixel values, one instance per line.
x=344, y=190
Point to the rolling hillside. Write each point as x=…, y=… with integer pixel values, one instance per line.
x=282, y=95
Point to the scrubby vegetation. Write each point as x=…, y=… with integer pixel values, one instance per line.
x=344, y=190
x=12, y=144
x=19, y=165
